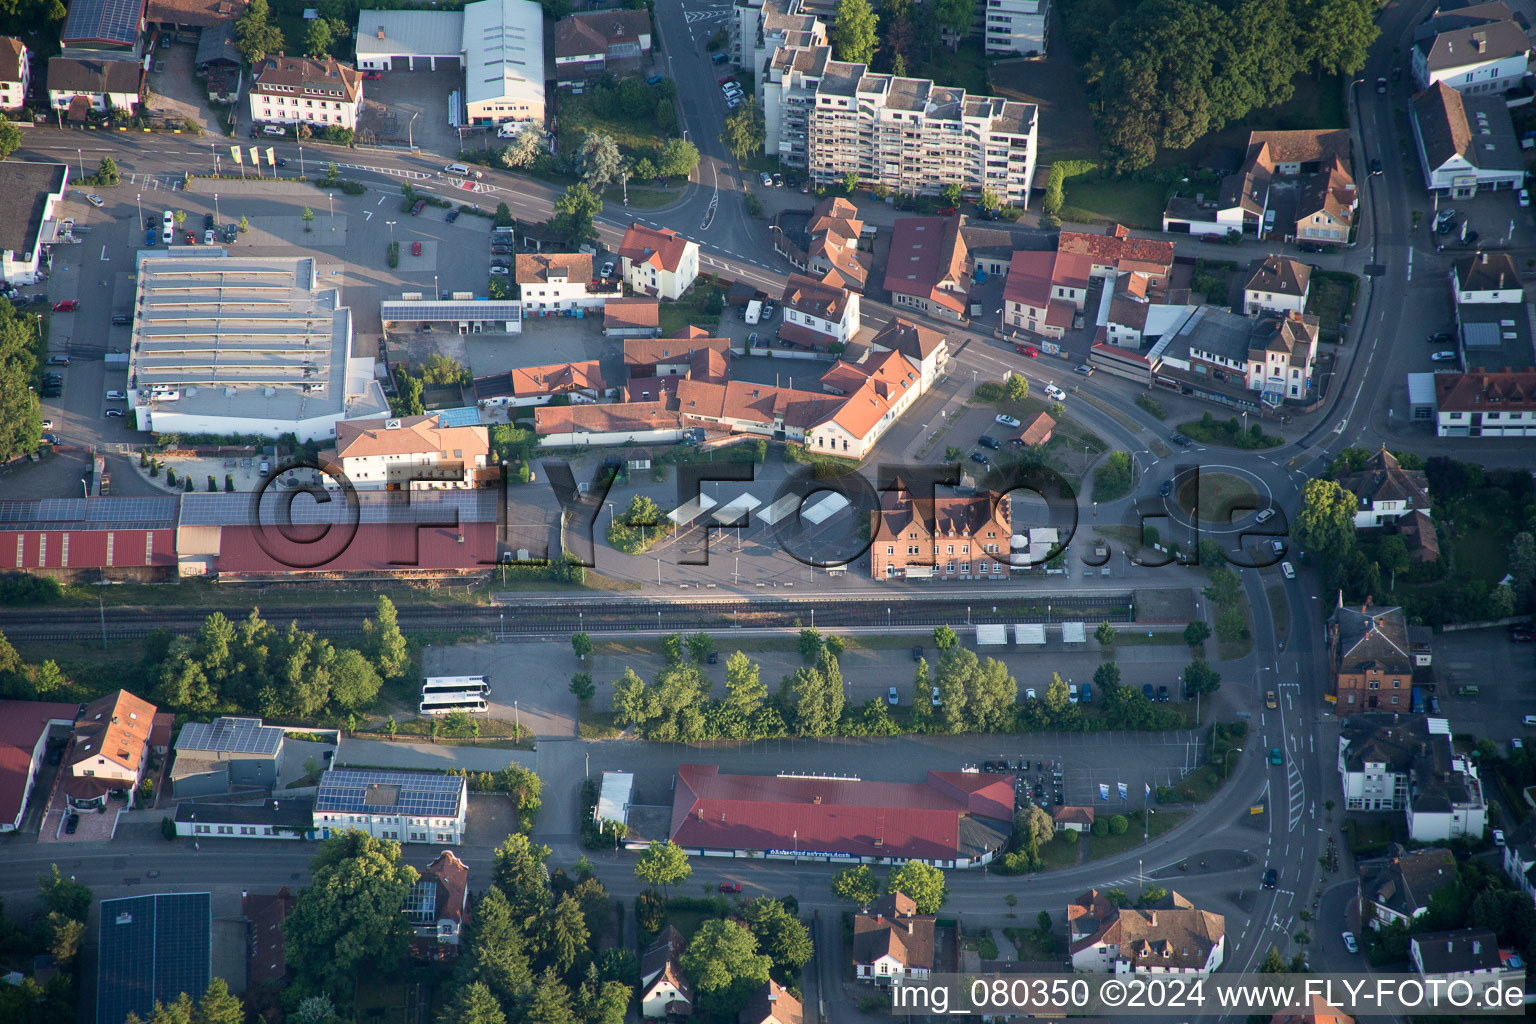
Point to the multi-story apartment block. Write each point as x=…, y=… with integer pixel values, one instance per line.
x=832, y=118
x=760, y=27
x=1483, y=404
x=15, y=73
x=1478, y=48
x=1017, y=26
x=554, y=282
x=292, y=90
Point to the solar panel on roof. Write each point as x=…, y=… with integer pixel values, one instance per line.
x=348, y=792
x=231, y=735
x=113, y=21
x=440, y=311
x=152, y=948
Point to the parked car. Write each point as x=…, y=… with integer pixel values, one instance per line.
x=1162, y=694
x=718, y=58
x=1440, y=338
x=415, y=248
x=778, y=181
x=891, y=697
x=114, y=413
x=1375, y=165
x=71, y=823
x=1027, y=350
x=1055, y=393
x=93, y=198
x=608, y=269
x=1349, y=942
x=917, y=652
x=500, y=270
x=1029, y=693
x=1523, y=634
x=208, y=237
x=1006, y=420
x=58, y=360
x=1525, y=197
x=1086, y=369
x=980, y=458
x=47, y=424
x=730, y=887
x=655, y=80
x=371, y=76
x=1211, y=237
x=1381, y=86
x=1310, y=247
x=1439, y=357
x=501, y=250
x=66, y=306
x=421, y=204
x=115, y=396
x=934, y=698
x=453, y=215
x=989, y=442
x=713, y=658
x=1148, y=692
x=189, y=238
x=765, y=179
x=121, y=319
x=273, y=129
x=1498, y=837
x=207, y=221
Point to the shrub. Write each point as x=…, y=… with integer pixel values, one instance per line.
x=1101, y=827
x=1118, y=824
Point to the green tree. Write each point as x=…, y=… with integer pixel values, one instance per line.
x=598, y=159
x=255, y=36
x=391, y=727
x=317, y=40
x=1273, y=963
x=1035, y=827
x=780, y=934
x=1225, y=587
x=383, y=641
x=350, y=913
x=107, y=172
x=700, y=646
x=64, y=896
x=723, y=954
x=1057, y=697
x=1200, y=678
x=64, y=937
x=809, y=643
x=1017, y=387
x=524, y=148
x=954, y=17
x=1107, y=677
x=474, y=1003
x=564, y=935
x=856, y=885
x=923, y=884
x=677, y=158
x=518, y=870
x=1340, y=34
x=10, y=139
x=745, y=695
x=944, y=638
x=1196, y=633
x=354, y=683
x=218, y=1005
x=855, y=31
x=1043, y=922
x=582, y=687
x=663, y=864
x=851, y=182
x=744, y=132
x=988, y=200
x=48, y=678
x=550, y=1002
x=1105, y=635
x=575, y=212
x=581, y=643
x=953, y=194
x=1325, y=524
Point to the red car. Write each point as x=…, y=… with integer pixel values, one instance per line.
x=1211, y=238
x=190, y=238
x=372, y=76
x=1522, y=634
x=732, y=887
x=1027, y=350
x=67, y=306
x=948, y=211
x=727, y=78
x=415, y=248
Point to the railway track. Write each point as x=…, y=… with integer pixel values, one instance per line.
x=560, y=618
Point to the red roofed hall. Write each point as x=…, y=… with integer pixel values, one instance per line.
x=24, y=728
x=953, y=819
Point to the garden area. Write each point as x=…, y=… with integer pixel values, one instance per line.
x=700, y=306
x=1136, y=203
x=1229, y=433
x=1331, y=298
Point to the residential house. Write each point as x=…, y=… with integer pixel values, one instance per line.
x=264, y=915
x=1397, y=888
x=1376, y=753
x=1294, y=185
x=1520, y=857
x=228, y=753
x=876, y=392
x=926, y=268
x=550, y=283
x=1072, y=819
x=219, y=63
x=1039, y=430
x=1483, y=404
x=1393, y=762
x=410, y=452
x=1368, y=652
x=1274, y=356
x=892, y=942
x=1469, y=958
x=82, y=84
x=286, y=819
x=697, y=357
x=1017, y=27
x=631, y=318
x=26, y=736
x=1466, y=143
x=1385, y=491
x=1317, y=1011
x=658, y=262
x=594, y=42
x=818, y=315
x=1278, y=287
x=1479, y=48
x=1114, y=251
x=110, y=752
x=1487, y=278
x=948, y=537
x=924, y=347
x=302, y=90
x=772, y=1004
x=1170, y=936
x=34, y=191
x=436, y=907
x=1044, y=291
x=664, y=991
x=15, y=73
x=833, y=233
x=539, y=385
x=629, y=423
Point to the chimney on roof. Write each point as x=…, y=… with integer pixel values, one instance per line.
x=1152, y=918
x=1477, y=946
x=381, y=31
x=816, y=799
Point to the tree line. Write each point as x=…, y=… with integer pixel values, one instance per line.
x=1161, y=74
x=961, y=693
x=21, y=422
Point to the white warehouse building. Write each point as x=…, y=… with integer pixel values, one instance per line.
x=243, y=345
x=504, y=61
x=410, y=40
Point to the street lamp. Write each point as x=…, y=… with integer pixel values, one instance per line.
x=331, y=197
x=410, y=137
x=80, y=153
x=1226, y=761
x=138, y=197
x=301, y=160
x=215, y=209
x=391, y=225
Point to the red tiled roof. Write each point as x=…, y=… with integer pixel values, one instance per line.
x=925, y=252
x=1059, y=313
x=809, y=295
x=452, y=879
x=650, y=352
x=887, y=379
x=872, y=819
x=1116, y=245
x=1072, y=815
x=662, y=248
x=1480, y=391
x=535, y=268
x=1029, y=278
x=1037, y=430
x=266, y=913
x=636, y=312
x=557, y=379
x=604, y=419
x=10, y=59
x=115, y=727
x=22, y=725
x=911, y=340
x=580, y=35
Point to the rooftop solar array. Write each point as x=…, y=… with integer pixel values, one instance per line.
x=103, y=21
x=428, y=311
x=97, y=513
x=274, y=510
x=359, y=792
x=153, y=948
x=231, y=735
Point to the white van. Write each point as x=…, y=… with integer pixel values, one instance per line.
x=510, y=130
x=461, y=170
x=168, y=227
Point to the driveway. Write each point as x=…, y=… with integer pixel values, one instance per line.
x=175, y=89
x=390, y=103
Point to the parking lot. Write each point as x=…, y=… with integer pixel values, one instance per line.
x=1500, y=669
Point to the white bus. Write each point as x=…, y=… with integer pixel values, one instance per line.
x=455, y=684
x=448, y=703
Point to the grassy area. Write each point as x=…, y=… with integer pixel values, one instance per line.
x=1331, y=298
x=1033, y=944
x=592, y=724
x=1367, y=835
x=1279, y=611
x=1136, y=204
x=822, y=466
x=693, y=309
x=1232, y=650
x=1153, y=406
x=1157, y=823
x=964, y=68
x=579, y=115
x=1218, y=498
x=1229, y=433
x=1481, y=555
x=1061, y=852
x=1167, y=638
x=642, y=198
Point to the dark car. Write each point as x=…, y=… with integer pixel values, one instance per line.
x=1381, y=86
x=730, y=887
x=714, y=658
x=1522, y=633
x=1162, y=694
x=71, y=823
x=281, y=162
x=1179, y=439
x=453, y=215
x=501, y=250
x=1060, y=800
x=1375, y=165
x=1270, y=878
x=121, y=319
x=917, y=653
x=207, y=221
x=980, y=458
x=1439, y=338
x=421, y=204
x=1148, y=692
x=989, y=766
x=989, y=442
x=1434, y=704
x=1166, y=489
x=1310, y=247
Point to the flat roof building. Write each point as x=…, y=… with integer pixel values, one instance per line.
x=227, y=753
x=24, y=728
x=504, y=61
x=244, y=345
x=414, y=39
x=151, y=950
x=407, y=807
x=31, y=190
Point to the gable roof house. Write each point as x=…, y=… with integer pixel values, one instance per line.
x=538, y=385
x=1481, y=403
x=1385, y=491
x=1291, y=184
x=926, y=268
x=264, y=915
x=550, y=282
x=658, y=262
x=1044, y=291
x=436, y=908
x=1172, y=937
x=1397, y=888
x=834, y=231
x=924, y=347
x=1487, y=277
x=817, y=314
x=594, y=42
x=15, y=73
x=664, y=991
x=110, y=30
x=294, y=90
x=674, y=357
x=631, y=318
x=1278, y=286
x=174, y=17
x=1466, y=142
x=877, y=392
x=110, y=752
x=90, y=82
x=417, y=452
x=1470, y=956
x=1475, y=49
x=893, y=942
x=1368, y=652
x=944, y=536
x=772, y=1004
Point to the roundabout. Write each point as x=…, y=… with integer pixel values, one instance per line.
x=1218, y=499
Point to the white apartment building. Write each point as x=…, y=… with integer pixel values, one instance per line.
x=1017, y=27
x=300, y=90
x=1489, y=278
x=550, y=282
x=1479, y=48
x=818, y=314
x=15, y=73
x=760, y=27
x=414, y=452
x=408, y=807
x=1482, y=404
x=909, y=135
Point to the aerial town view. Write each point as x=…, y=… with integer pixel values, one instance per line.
x=767, y=511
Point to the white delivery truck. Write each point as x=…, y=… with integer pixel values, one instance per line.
x=754, y=311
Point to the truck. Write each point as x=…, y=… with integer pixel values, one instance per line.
x=1418, y=700
x=754, y=311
